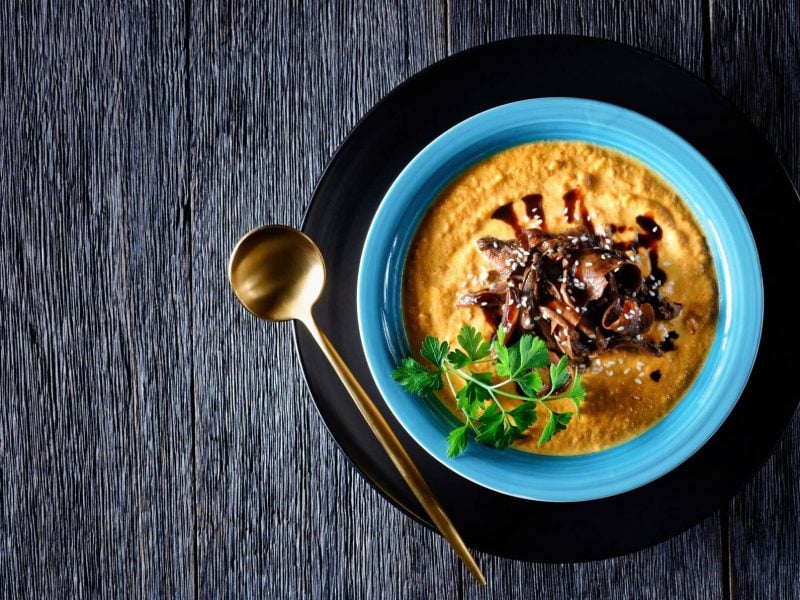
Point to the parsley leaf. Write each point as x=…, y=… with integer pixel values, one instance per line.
x=528, y=353
x=559, y=374
x=530, y=383
x=507, y=360
x=499, y=346
x=533, y=352
x=417, y=379
x=473, y=344
x=458, y=359
x=434, y=350
x=524, y=415
x=474, y=393
x=555, y=424
x=490, y=425
x=576, y=392
x=457, y=440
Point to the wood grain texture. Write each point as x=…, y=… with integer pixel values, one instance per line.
x=690, y=565
x=281, y=514
x=672, y=29
x=96, y=426
x=756, y=65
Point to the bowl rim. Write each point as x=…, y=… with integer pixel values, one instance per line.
x=585, y=113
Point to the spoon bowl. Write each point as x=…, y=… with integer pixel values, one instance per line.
x=277, y=273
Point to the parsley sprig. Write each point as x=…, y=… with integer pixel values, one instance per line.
x=522, y=363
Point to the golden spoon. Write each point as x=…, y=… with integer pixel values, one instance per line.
x=278, y=274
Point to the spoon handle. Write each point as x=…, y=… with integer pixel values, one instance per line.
x=395, y=450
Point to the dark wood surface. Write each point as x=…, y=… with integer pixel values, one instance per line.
x=157, y=441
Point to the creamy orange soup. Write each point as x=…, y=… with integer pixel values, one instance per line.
x=627, y=391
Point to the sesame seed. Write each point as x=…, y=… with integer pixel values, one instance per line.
x=638, y=381
x=484, y=303
x=610, y=373
x=626, y=371
x=558, y=310
x=589, y=264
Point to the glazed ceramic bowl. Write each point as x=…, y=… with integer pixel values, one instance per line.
x=706, y=404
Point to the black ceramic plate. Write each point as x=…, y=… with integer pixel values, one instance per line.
x=435, y=100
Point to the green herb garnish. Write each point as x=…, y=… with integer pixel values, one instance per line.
x=522, y=363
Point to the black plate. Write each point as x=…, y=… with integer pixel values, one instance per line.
x=436, y=99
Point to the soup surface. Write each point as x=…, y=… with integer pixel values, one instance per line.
x=627, y=391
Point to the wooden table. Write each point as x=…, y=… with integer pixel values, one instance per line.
x=155, y=439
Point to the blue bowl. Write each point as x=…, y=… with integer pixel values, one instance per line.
x=720, y=382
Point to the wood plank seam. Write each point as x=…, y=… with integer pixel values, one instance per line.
x=188, y=224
